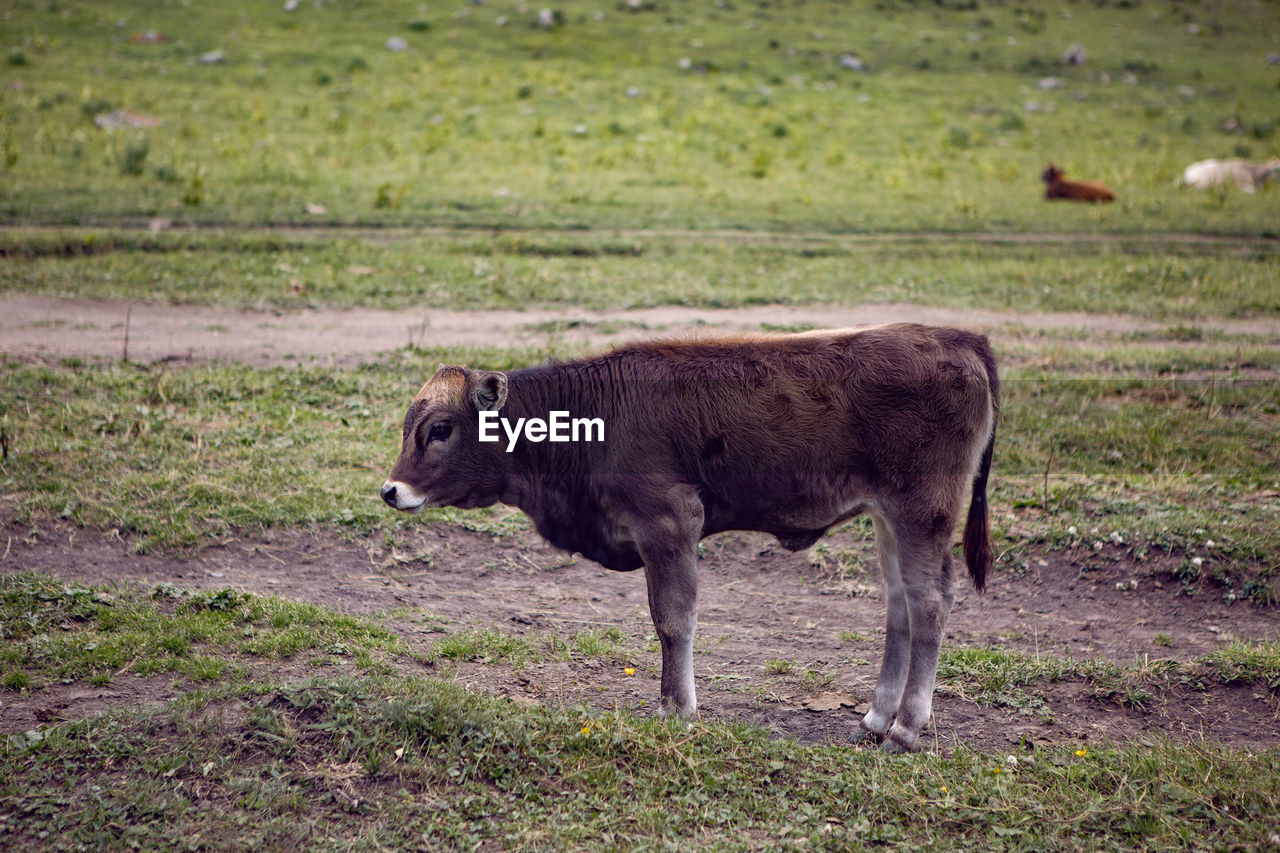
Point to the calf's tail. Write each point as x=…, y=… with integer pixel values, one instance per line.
x=977, y=534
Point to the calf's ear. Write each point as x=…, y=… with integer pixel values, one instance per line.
x=491, y=392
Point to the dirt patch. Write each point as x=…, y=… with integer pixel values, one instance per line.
x=759, y=604
x=94, y=328
x=60, y=702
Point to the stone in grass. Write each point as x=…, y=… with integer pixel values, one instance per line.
x=123, y=119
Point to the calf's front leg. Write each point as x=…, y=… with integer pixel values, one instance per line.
x=672, y=578
x=666, y=532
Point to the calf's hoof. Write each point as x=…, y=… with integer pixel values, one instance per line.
x=669, y=709
x=863, y=736
x=893, y=747
x=898, y=741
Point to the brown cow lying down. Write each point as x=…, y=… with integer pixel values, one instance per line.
x=788, y=434
x=1060, y=187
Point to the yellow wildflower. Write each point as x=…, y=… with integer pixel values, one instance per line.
x=1081, y=753
x=586, y=730
x=631, y=670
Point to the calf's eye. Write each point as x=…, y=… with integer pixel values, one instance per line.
x=439, y=432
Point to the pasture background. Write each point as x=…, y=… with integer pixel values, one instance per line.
x=692, y=155
x=689, y=115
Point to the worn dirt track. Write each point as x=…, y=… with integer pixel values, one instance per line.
x=759, y=603
x=94, y=328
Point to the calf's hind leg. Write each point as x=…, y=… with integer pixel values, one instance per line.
x=897, y=639
x=926, y=575
x=917, y=577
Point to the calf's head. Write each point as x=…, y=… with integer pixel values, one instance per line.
x=442, y=462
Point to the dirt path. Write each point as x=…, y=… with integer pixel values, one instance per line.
x=39, y=326
x=758, y=604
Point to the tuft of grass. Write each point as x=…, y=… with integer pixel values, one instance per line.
x=490, y=646
x=133, y=160
x=494, y=646
x=816, y=679
x=602, y=643
x=997, y=676
x=1247, y=662
x=61, y=632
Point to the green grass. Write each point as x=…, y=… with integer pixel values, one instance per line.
x=1242, y=662
x=1162, y=465
x=488, y=646
x=999, y=677
x=602, y=643
x=53, y=632
x=392, y=762
x=1146, y=429
x=1003, y=678
x=492, y=645
x=1164, y=280
x=685, y=115
x=1180, y=351
x=181, y=457
x=386, y=760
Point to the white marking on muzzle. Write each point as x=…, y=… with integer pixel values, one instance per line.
x=406, y=498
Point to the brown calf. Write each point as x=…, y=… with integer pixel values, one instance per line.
x=1059, y=187
x=788, y=434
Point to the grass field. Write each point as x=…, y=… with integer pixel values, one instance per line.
x=1166, y=280
x=377, y=759
x=630, y=154
x=329, y=764
x=693, y=115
